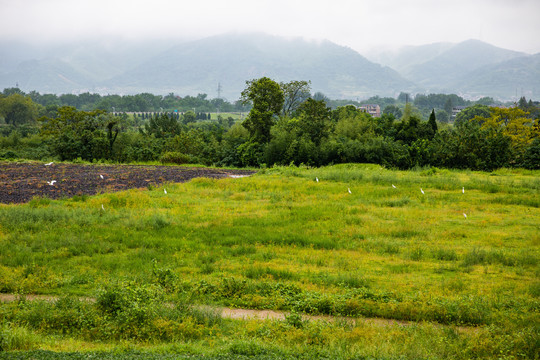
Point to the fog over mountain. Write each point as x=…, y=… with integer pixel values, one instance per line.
x=471, y=68
x=520, y=75
x=230, y=60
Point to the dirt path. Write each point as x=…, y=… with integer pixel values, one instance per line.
x=20, y=182
x=249, y=314
x=228, y=313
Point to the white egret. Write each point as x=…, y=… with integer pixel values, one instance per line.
x=101, y=176
x=102, y=208
x=238, y=176
x=422, y=191
x=394, y=186
x=165, y=191
x=463, y=190
x=317, y=179
x=349, y=190
x=465, y=215
x=48, y=164
x=51, y=182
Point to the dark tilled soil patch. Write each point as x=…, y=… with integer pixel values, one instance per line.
x=20, y=182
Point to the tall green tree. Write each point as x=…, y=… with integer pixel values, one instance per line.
x=314, y=119
x=409, y=111
x=433, y=122
x=81, y=134
x=162, y=126
x=448, y=105
x=470, y=113
x=17, y=109
x=320, y=96
x=295, y=93
x=515, y=124
x=522, y=103
x=267, y=99
x=469, y=145
x=394, y=110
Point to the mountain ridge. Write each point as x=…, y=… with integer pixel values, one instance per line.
x=332, y=69
x=191, y=67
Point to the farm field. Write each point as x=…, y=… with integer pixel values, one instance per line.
x=22, y=181
x=444, y=264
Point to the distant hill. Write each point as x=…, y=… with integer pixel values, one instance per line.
x=405, y=58
x=198, y=67
x=471, y=68
x=456, y=62
x=508, y=79
x=46, y=76
x=71, y=68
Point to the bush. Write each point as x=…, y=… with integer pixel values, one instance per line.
x=131, y=308
x=8, y=155
x=175, y=157
x=531, y=159
x=251, y=153
x=13, y=337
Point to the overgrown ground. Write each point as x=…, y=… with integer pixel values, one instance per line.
x=461, y=266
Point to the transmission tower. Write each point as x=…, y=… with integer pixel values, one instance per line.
x=218, y=95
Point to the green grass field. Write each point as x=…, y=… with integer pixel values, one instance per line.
x=449, y=274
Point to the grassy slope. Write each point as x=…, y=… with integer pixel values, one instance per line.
x=282, y=240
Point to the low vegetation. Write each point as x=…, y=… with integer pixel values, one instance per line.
x=451, y=273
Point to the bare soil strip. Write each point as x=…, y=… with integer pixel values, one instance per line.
x=20, y=182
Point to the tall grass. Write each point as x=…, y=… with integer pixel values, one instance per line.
x=281, y=240
x=14, y=337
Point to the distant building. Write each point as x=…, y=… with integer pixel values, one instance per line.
x=456, y=110
x=372, y=109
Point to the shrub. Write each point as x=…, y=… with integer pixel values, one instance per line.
x=294, y=319
x=8, y=155
x=175, y=157
x=131, y=305
x=531, y=159
x=165, y=277
x=13, y=337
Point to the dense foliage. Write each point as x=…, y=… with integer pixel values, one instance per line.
x=284, y=125
x=144, y=102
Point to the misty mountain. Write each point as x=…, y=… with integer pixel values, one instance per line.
x=46, y=75
x=68, y=68
x=199, y=66
x=405, y=58
x=508, y=79
x=456, y=62
x=471, y=68
x=101, y=60
x=230, y=60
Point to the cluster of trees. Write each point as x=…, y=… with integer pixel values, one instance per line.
x=424, y=104
x=130, y=103
x=287, y=125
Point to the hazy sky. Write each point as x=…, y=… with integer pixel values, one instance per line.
x=361, y=24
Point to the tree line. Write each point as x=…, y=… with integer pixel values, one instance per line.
x=285, y=125
x=144, y=102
